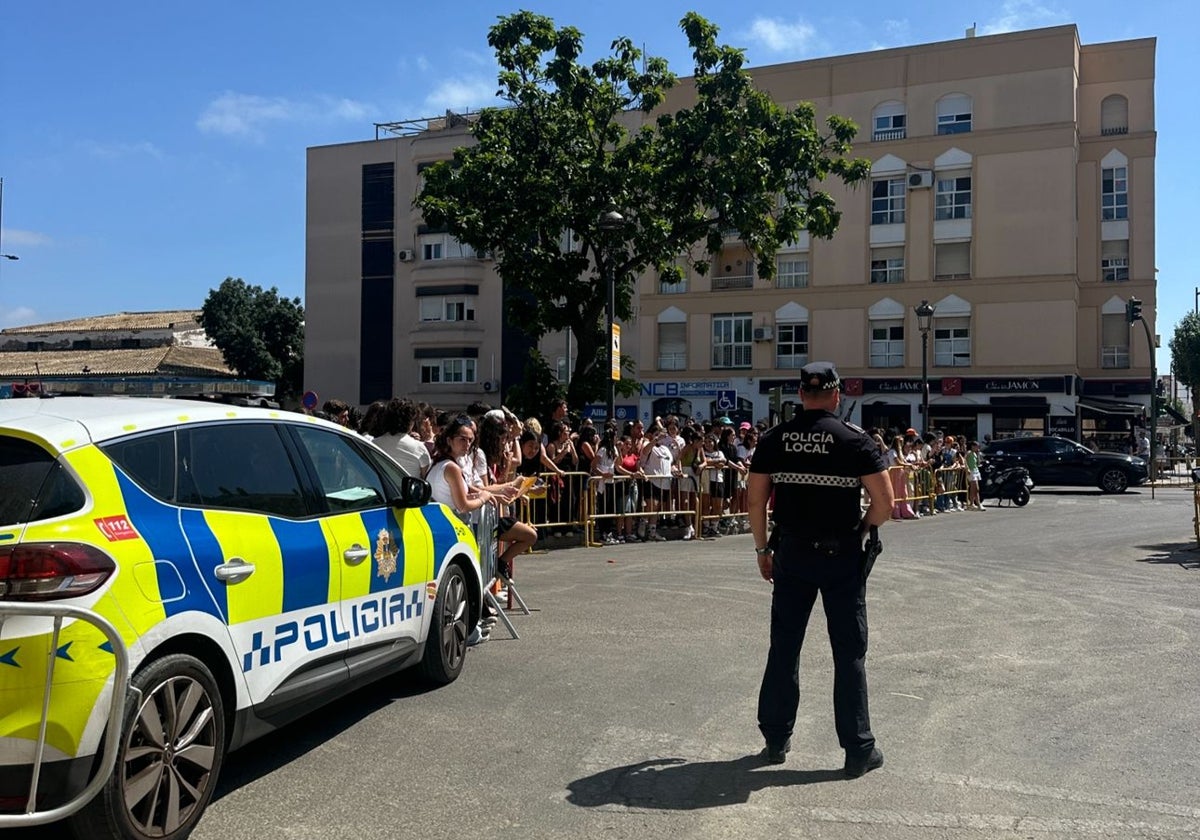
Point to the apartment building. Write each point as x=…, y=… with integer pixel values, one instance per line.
x=1012, y=190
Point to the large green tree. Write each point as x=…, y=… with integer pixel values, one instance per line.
x=260, y=333
x=1185, y=360
x=576, y=141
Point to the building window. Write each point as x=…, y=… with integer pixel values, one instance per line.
x=887, y=201
x=443, y=246
x=887, y=344
x=1114, y=341
x=791, y=272
x=668, y=286
x=447, y=371
x=952, y=261
x=954, y=114
x=791, y=346
x=889, y=121
x=953, y=199
x=447, y=308
x=81, y=344
x=1114, y=115
x=731, y=340
x=1114, y=194
x=1114, y=260
x=887, y=265
x=952, y=342
x=672, y=346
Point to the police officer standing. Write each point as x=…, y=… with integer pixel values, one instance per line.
x=816, y=464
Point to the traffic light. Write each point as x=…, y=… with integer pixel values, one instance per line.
x=1133, y=310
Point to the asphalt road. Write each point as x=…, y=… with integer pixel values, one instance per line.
x=1033, y=674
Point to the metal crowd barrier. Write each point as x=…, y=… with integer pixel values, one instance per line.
x=597, y=505
x=116, y=710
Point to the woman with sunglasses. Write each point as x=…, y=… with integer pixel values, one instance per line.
x=446, y=478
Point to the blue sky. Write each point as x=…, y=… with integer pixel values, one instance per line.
x=151, y=149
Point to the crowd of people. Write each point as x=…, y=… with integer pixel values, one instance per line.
x=929, y=465
x=635, y=477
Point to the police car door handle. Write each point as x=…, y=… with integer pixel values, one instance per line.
x=234, y=571
x=356, y=554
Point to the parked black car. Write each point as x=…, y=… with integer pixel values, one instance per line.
x=1057, y=460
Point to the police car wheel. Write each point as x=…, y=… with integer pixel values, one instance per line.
x=446, y=646
x=172, y=748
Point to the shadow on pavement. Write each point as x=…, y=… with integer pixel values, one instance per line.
x=1184, y=554
x=674, y=784
x=269, y=753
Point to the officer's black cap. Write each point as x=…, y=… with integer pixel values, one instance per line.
x=816, y=377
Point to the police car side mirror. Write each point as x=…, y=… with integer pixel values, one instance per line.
x=414, y=492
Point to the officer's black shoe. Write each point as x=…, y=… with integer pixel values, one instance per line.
x=860, y=765
x=777, y=753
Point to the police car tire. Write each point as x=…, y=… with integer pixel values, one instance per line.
x=446, y=645
x=106, y=816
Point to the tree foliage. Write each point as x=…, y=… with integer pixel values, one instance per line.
x=1185, y=359
x=578, y=140
x=260, y=333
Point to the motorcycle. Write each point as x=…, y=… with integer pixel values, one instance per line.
x=1004, y=482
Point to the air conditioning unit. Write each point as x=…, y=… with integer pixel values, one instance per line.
x=920, y=179
x=764, y=333
x=491, y=386
x=405, y=255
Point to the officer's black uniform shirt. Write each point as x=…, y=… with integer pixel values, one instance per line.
x=815, y=462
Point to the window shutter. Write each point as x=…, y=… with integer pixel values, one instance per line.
x=672, y=338
x=1114, y=331
x=1114, y=113
x=952, y=259
x=1112, y=249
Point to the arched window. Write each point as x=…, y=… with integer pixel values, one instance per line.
x=888, y=121
x=954, y=114
x=1114, y=115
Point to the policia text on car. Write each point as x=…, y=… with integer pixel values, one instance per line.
x=817, y=465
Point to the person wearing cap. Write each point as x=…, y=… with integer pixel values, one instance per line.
x=817, y=465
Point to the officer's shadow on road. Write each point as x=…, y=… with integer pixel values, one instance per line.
x=675, y=784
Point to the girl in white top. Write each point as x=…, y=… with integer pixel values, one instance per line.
x=446, y=479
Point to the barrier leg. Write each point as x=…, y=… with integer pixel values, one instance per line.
x=508, y=625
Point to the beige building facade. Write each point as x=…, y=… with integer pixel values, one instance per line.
x=1012, y=188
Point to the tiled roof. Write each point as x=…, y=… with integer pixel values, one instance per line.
x=173, y=318
x=145, y=360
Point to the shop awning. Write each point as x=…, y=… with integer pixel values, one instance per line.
x=1112, y=407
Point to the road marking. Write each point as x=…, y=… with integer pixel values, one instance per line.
x=900, y=694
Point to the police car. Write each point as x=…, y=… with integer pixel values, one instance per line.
x=243, y=566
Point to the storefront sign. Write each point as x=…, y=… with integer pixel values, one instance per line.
x=707, y=388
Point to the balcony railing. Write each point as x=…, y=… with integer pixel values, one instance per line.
x=672, y=361
x=1116, y=129
x=727, y=282
x=673, y=288
x=889, y=134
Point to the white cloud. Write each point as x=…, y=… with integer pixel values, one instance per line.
x=17, y=317
x=896, y=33
x=1023, y=14
x=24, y=238
x=778, y=36
x=461, y=94
x=248, y=116
x=111, y=151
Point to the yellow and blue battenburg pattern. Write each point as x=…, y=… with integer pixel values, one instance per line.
x=166, y=569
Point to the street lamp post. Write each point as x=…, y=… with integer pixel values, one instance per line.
x=610, y=222
x=924, y=322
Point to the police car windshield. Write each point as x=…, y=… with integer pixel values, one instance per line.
x=33, y=485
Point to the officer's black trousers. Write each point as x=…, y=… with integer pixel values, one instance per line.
x=800, y=573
